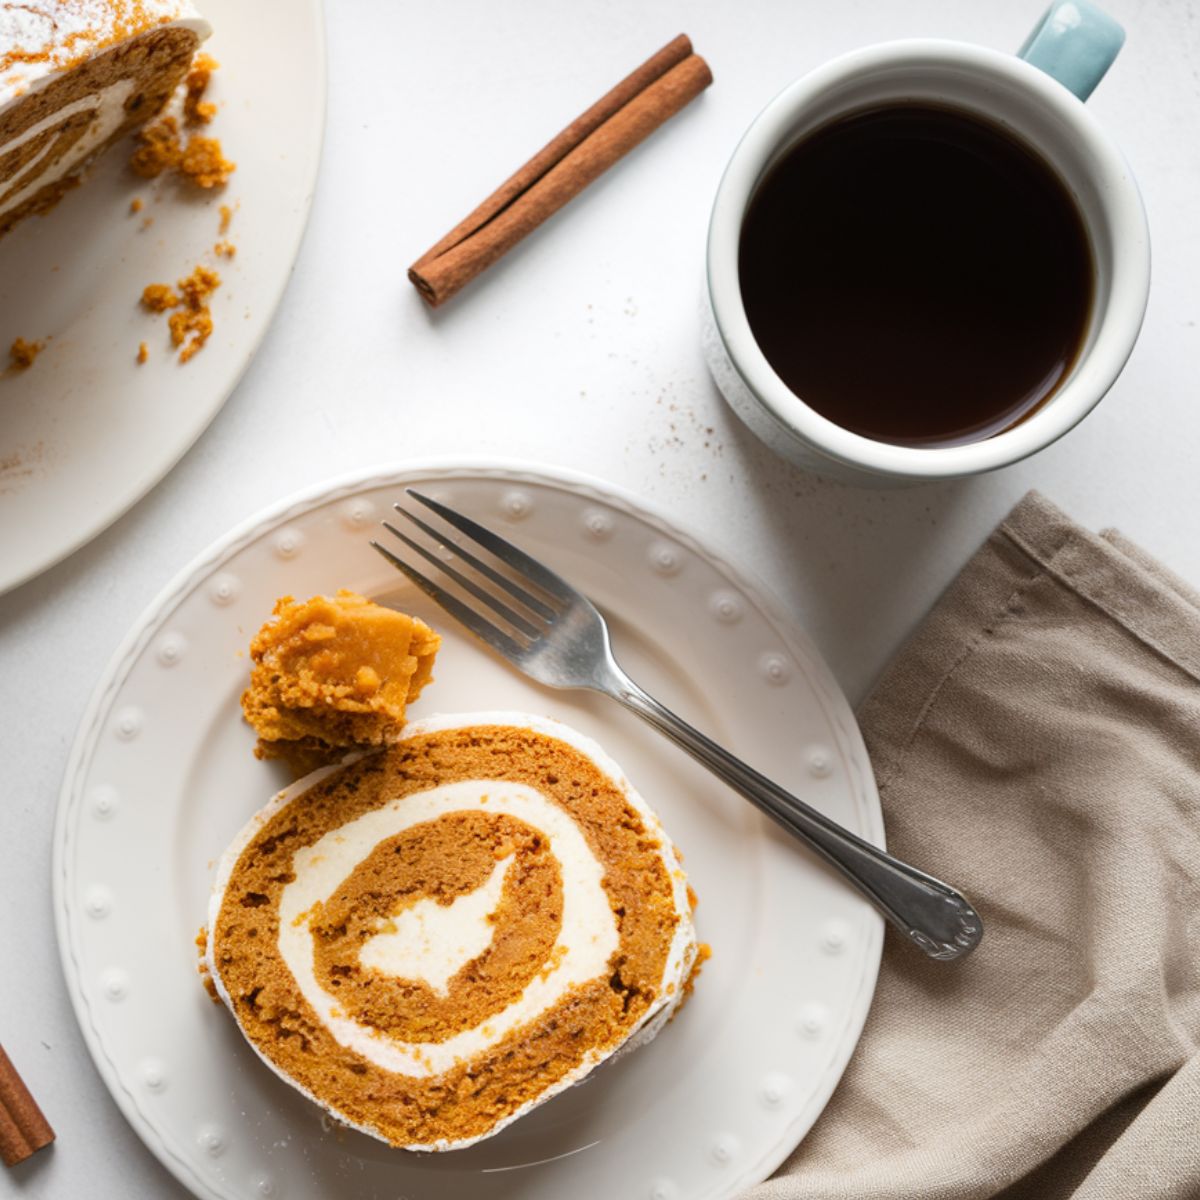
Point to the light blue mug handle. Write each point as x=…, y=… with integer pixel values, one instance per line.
x=1075, y=43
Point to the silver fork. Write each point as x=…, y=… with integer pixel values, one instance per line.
x=557, y=636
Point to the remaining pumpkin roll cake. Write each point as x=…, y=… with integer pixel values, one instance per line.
x=76, y=75
x=432, y=940
x=334, y=673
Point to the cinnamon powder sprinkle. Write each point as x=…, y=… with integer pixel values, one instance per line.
x=22, y=353
x=196, y=109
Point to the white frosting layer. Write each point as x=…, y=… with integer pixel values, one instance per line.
x=108, y=111
x=60, y=33
x=680, y=958
x=587, y=938
x=430, y=941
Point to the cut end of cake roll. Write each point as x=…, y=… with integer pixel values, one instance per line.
x=432, y=940
x=76, y=76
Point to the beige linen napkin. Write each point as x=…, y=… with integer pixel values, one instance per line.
x=1037, y=742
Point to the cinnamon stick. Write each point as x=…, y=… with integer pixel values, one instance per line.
x=606, y=132
x=23, y=1129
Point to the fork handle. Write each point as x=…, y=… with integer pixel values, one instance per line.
x=927, y=911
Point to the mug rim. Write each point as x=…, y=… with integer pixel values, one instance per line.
x=1118, y=323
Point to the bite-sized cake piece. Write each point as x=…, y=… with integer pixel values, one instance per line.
x=75, y=76
x=432, y=940
x=332, y=673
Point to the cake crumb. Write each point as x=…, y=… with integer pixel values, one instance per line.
x=196, y=109
x=200, y=162
x=225, y=249
x=146, y=223
x=196, y=325
x=159, y=149
x=135, y=205
x=158, y=297
x=192, y=325
x=22, y=353
x=226, y=218
x=703, y=954
x=199, y=285
x=204, y=164
x=143, y=353
x=202, y=965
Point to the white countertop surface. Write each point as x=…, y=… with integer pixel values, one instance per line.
x=580, y=349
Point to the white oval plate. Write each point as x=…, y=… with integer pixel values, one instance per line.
x=86, y=431
x=161, y=777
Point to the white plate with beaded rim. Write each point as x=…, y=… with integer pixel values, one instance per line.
x=161, y=777
x=87, y=431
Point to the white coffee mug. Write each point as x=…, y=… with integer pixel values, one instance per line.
x=1039, y=97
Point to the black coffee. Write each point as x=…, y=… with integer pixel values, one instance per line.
x=916, y=275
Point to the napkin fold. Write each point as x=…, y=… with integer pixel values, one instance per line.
x=1037, y=742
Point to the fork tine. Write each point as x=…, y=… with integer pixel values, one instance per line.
x=541, y=575
x=475, y=622
x=469, y=585
x=542, y=609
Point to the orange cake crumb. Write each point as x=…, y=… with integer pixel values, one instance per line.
x=159, y=149
x=204, y=164
x=195, y=325
x=703, y=954
x=226, y=217
x=200, y=162
x=225, y=249
x=202, y=966
x=143, y=353
x=192, y=325
x=334, y=672
x=158, y=297
x=135, y=205
x=22, y=353
x=196, y=109
x=199, y=285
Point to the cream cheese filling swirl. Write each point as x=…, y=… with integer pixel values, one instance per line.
x=586, y=941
